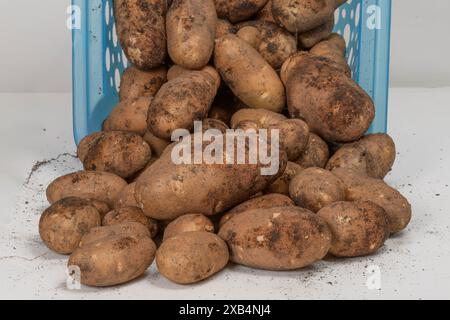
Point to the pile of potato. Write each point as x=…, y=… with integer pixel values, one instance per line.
x=255, y=64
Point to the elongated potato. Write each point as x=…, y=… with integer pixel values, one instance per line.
x=360, y=187
x=102, y=186
x=281, y=185
x=141, y=31
x=136, y=84
x=238, y=10
x=131, y=214
x=129, y=116
x=316, y=153
x=310, y=38
x=188, y=223
x=127, y=228
x=190, y=257
x=282, y=238
x=191, y=31
x=248, y=75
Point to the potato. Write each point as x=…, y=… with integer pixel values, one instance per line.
x=248, y=75
x=282, y=238
x=310, y=38
x=267, y=201
x=102, y=186
x=141, y=31
x=129, y=116
x=102, y=207
x=136, y=84
x=333, y=48
x=128, y=228
x=359, y=228
x=113, y=260
x=118, y=152
x=281, y=185
x=316, y=153
x=273, y=42
x=157, y=145
x=360, y=188
x=214, y=124
x=182, y=101
x=333, y=105
x=191, y=31
x=190, y=257
x=131, y=214
x=300, y=16
x=167, y=190
x=224, y=27
x=125, y=198
x=86, y=143
x=238, y=10
x=373, y=155
x=266, y=13
x=62, y=225
x=315, y=188
x=188, y=223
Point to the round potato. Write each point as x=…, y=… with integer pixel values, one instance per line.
x=281, y=185
x=190, y=257
x=188, y=223
x=131, y=214
x=315, y=188
x=282, y=238
x=127, y=228
x=136, y=84
x=316, y=153
x=62, y=225
x=312, y=37
x=238, y=10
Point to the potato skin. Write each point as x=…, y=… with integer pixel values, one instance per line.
x=188, y=223
x=316, y=153
x=315, y=188
x=191, y=257
x=238, y=10
x=131, y=214
x=310, y=38
x=64, y=223
x=191, y=31
x=359, y=228
x=125, y=198
x=102, y=207
x=281, y=185
x=135, y=229
x=141, y=31
x=333, y=48
x=265, y=14
x=136, y=84
x=360, y=187
x=282, y=238
x=102, y=186
x=333, y=105
x=224, y=27
x=118, y=152
x=86, y=143
x=157, y=145
x=248, y=75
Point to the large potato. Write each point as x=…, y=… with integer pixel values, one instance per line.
x=191, y=31
x=102, y=186
x=238, y=10
x=282, y=238
x=188, y=223
x=248, y=75
x=281, y=185
x=131, y=214
x=134, y=228
x=136, y=84
x=62, y=225
x=359, y=228
x=360, y=187
x=141, y=31
x=190, y=257
x=316, y=153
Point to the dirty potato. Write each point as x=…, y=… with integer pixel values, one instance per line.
x=316, y=153
x=224, y=27
x=98, y=233
x=238, y=10
x=281, y=185
x=312, y=37
x=334, y=49
x=136, y=84
x=188, y=223
x=129, y=116
x=131, y=214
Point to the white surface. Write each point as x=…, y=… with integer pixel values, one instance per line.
x=415, y=264
x=36, y=51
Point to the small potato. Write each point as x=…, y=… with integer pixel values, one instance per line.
x=224, y=27
x=118, y=152
x=334, y=49
x=102, y=186
x=248, y=75
x=312, y=37
x=281, y=185
x=282, y=238
x=126, y=197
x=316, y=153
x=128, y=228
x=315, y=188
x=361, y=188
x=238, y=10
x=129, y=116
x=157, y=145
x=260, y=202
x=131, y=214
x=191, y=257
x=188, y=223
x=62, y=225
x=136, y=84
x=191, y=31
x=141, y=31
x=359, y=228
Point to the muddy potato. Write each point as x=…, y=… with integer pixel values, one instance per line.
x=266, y=13
x=131, y=214
x=136, y=84
x=118, y=152
x=129, y=116
x=316, y=153
x=260, y=202
x=64, y=223
x=102, y=186
x=248, y=75
x=282, y=238
x=188, y=223
x=312, y=37
x=358, y=228
x=141, y=31
x=191, y=31
x=224, y=27
x=281, y=185
x=238, y=10
x=315, y=188
x=361, y=187
x=333, y=48
x=191, y=257
x=181, y=101
x=332, y=104
x=86, y=143
x=157, y=145
x=128, y=228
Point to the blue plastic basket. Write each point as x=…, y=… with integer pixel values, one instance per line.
x=98, y=59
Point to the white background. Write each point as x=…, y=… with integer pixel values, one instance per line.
x=35, y=50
